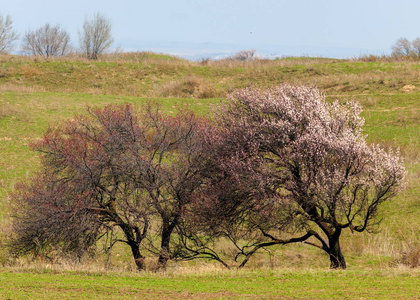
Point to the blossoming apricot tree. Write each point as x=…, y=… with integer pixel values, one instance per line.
x=295, y=164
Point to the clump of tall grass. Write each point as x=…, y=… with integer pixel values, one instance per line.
x=409, y=255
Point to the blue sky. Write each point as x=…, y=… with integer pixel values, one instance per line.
x=277, y=27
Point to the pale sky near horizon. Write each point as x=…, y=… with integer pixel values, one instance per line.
x=354, y=24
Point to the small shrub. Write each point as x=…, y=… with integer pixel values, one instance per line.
x=205, y=61
x=244, y=55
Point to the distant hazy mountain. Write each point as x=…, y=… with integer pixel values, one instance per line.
x=197, y=51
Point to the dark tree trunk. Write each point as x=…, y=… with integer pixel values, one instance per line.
x=337, y=260
x=167, y=229
x=133, y=240
x=138, y=258
x=164, y=248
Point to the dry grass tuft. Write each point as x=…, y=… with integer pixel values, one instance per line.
x=4, y=72
x=188, y=87
x=29, y=71
x=410, y=255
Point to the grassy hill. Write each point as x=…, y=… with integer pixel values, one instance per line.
x=36, y=93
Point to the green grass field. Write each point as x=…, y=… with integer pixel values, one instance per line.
x=36, y=94
x=261, y=284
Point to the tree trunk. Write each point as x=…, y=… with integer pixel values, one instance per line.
x=164, y=248
x=337, y=260
x=167, y=229
x=138, y=258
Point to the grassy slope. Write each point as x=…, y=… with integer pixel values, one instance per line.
x=157, y=77
x=35, y=94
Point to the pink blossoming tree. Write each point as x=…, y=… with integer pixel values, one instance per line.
x=287, y=161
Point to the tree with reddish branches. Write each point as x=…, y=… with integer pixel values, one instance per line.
x=112, y=168
x=286, y=161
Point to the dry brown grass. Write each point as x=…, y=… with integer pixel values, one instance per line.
x=20, y=88
x=268, y=63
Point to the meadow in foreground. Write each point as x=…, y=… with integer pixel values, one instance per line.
x=212, y=284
